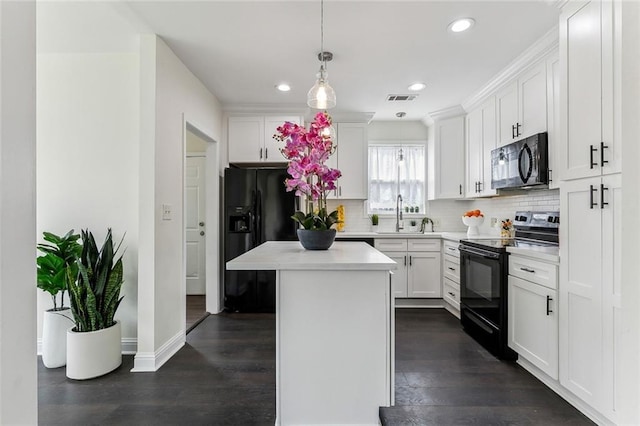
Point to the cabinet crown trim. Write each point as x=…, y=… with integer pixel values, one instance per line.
x=536, y=52
x=449, y=112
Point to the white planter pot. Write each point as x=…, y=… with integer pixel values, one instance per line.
x=54, y=337
x=94, y=353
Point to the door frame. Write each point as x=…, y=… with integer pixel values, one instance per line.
x=212, y=200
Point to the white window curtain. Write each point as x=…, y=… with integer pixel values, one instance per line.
x=388, y=175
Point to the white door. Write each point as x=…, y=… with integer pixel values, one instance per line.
x=352, y=145
x=580, y=310
x=489, y=141
x=532, y=89
x=399, y=276
x=533, y=324
x=474, y=149
x=195, y=225
x=507, y=112
x=424, y=274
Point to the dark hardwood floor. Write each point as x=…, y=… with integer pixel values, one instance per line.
x=444, y=377
x=225, y=375
x=196, y=310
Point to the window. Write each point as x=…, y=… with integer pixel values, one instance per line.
x=393, y=170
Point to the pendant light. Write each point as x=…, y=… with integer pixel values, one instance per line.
x=321, y=95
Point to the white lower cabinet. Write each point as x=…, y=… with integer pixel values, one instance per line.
x=533, y=312
x=533, y=324
x=451, y=276
x=418, y=273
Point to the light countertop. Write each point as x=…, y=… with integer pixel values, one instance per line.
x=290, y=255
x=453, y=236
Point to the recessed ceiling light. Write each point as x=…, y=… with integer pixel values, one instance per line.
x=283, y=87
x=417, y=86
x=460, y=25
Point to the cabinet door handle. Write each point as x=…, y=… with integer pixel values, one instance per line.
x=261, y=153
x=410, y=260
x=513, y=131
x=602, y=148
x=518, y=125
x=460, y=189
x=450, y=268
x=266, y=153
x=451, y=294
x=405, y=261
x=592, y=204
x=340, y=191
x=480, y=184
x=549, y=311
x=550, y=175
x=591, y=151
x=451, y=249
x=528, y=270
x=602, y=202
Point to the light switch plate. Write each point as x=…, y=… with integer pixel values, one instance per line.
x=166, y=212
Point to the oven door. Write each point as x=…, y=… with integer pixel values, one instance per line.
x=481, y=282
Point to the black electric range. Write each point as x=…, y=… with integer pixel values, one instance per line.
x=484, y=269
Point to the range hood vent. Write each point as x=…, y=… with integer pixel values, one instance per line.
x=394, y=98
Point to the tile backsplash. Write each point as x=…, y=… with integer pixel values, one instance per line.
x=449, y=212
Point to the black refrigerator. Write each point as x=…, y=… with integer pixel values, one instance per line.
x=257, y=209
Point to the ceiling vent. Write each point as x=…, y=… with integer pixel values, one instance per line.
x=394, y=98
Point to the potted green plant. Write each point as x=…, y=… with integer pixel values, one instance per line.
x=59, y=253
x=374, y=222
x=94, y=344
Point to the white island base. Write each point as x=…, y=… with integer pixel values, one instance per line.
x=334, y=331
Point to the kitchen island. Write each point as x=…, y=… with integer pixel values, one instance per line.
x=334, y=331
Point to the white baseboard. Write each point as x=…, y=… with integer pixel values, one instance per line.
x=152, y=361
x=555, y=386
x=129, y=346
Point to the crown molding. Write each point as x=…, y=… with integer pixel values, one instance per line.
x=546, y=45
x=444, y=113
x=558, y=3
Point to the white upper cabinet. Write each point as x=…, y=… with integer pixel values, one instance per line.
x=586, y=98
x=446, y=160
x=522, y=106
x=481, y=139
x=351, y=159
x=250, y=138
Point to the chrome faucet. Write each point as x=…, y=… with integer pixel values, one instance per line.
x=398, y=213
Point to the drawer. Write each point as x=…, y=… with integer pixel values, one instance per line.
x=450, y=247
x=391, y=244
x=432, y=244
x=451, y=269
x=545, y=274
x=451, y=293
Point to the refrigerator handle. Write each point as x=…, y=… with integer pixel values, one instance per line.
x=259, y=218
x=252, y=218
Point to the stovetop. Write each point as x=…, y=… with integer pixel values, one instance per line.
x=501, y=244
x=533, y=229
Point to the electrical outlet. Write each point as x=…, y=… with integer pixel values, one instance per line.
x=494, y=222
x=436, y=222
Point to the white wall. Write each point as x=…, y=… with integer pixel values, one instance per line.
x=18, y=372
x=169, y=92
x=397, y=131
x=88, y=149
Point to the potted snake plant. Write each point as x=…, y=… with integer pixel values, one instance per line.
x=94, y=344
x=58, y=254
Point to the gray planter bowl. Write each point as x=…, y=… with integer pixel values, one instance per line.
x=316, y=240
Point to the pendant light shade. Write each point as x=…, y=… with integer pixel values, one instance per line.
x=322, y=95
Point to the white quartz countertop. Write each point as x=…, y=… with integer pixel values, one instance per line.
x=545, y=253
x=453, y=236
x=290, y=255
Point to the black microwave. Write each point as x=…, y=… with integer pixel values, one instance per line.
x=522, y=164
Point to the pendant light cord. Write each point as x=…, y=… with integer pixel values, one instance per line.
x=324, y=62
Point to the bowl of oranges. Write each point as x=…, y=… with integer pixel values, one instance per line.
x=473, y=219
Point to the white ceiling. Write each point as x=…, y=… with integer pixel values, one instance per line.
x=241, y=49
